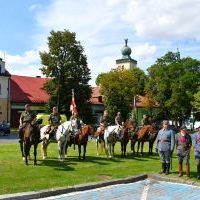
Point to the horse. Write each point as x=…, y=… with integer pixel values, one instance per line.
x=81, y=139
x=147, y=133
x=99, y=136
x=62, y=135
x=110, y=137
x=31, y=136
x=126, y=131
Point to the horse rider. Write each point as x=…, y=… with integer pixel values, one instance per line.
x=183, y=143
x=26, y=117
x=76, y=123
x=54, y=121
x=196, y=144
x=104, y=121
x=144, y=120
x=119, y=122
x=165, y=145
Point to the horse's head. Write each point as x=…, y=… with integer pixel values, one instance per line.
x=87, y=130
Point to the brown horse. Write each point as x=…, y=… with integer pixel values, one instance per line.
x=31, y=136
x=128, y=128
x=81, y=139
x=147, y=133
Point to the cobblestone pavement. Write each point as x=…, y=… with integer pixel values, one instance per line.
x=8, y=139
x=143, y=190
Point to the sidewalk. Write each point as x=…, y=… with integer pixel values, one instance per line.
x=9, y=139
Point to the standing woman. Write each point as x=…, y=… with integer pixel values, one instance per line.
x=183, y=145
x=165, y=146
x=196, y=144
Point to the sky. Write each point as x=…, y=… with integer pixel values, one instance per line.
x=153, y=27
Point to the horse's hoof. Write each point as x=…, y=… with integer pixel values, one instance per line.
x=35, y=163
x=23, y=158
x=44, y=157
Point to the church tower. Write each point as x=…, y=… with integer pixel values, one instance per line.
x=4, y=93
x=126, y=62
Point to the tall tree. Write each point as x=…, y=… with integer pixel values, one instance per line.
x=119, y=87
x=66, y=65
x=172, y=82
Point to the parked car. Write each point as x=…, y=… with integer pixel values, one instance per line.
x=4, y=128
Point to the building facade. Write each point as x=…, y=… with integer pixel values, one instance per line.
x=4, y=93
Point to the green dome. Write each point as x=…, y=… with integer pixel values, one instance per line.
x=126, y=50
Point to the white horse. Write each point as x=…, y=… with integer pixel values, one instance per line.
x=110, y=136
x=62, y=136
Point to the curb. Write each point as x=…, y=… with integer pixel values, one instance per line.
x=64, y=190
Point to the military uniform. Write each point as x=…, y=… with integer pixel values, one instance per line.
x=196, y=144
x=104, y=120
x=118, y=120
x=54, y=122
x=25, y=118
x=76, y=124
x=165, y=145
x=183, y=145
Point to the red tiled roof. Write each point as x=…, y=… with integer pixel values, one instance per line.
x=96, y=96
x=28, y=89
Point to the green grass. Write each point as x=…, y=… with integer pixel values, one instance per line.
x=15, y=176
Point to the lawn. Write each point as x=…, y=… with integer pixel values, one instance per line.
x=15, y=176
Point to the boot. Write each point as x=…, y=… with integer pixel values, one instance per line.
x=163, y=168
x=180, y=170
x=188, y=170
x=20, y=134
x=167, y=168
x=198, y=171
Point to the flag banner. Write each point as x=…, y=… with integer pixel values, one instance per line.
x=73, y=108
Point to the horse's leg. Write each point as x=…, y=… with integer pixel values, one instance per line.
x=138, y=148
x=79, y=151
x=122, y=148
x=35, y=154
x=142, y=146
x=22, y=148
x=113, y=149
x=59, y=151
x=97, y=145
x=26, y=150
x=84, y=150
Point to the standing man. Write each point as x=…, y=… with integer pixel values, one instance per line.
x=196, y=144
x=54, y=121
x=26, y=117
x=165, y=145
x=183, y=143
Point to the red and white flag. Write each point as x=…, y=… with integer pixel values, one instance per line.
x=73, y=108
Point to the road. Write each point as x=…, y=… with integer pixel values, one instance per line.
x=9, y=139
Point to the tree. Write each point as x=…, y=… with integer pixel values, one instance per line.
x=172, y=82
x=119, y=87
x=196, y=102
x=66, y=65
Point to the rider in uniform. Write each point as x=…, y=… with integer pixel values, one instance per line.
x=104, y=120
x=54, y=121
x=120, y=123
x=26, y=117
x=183, y=143
x=165, y=145
x=196, y=144
x=76, y=123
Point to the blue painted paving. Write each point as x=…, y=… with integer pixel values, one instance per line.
x=142, y=190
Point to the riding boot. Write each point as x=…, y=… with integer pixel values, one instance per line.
x=198, y=171
x=167, y=168
x=188, y=170
x=20, y=134
x=163, y=168
x=180, y=170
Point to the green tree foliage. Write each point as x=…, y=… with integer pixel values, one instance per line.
x=172, y=82
x=119, y=88
x=66, y=65
x=196, y=102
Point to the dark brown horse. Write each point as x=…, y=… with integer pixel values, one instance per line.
x=31, y=136
x=147, y=133
x=81, y=139
x=126, y=131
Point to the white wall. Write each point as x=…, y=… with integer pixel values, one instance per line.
x=4, y=87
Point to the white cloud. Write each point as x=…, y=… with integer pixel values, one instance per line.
x=144, y=51
x=167, y=19
x=26, y=64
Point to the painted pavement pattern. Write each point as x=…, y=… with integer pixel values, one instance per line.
x=142, y=190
